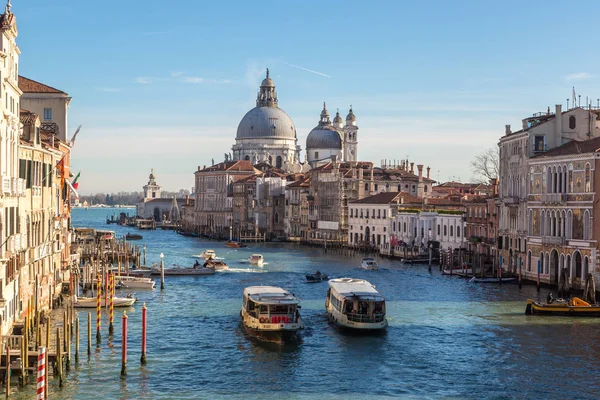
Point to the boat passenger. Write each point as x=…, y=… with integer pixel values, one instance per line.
x=196, y=264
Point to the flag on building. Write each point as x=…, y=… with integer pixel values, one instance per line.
x=75, y=183
x=72, y=141
x=61, y=168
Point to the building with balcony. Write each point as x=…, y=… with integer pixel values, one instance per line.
x=540, y=133
x=561, y=210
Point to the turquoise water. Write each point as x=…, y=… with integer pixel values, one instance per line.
x=447, y=338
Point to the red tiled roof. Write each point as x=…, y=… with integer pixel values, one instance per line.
x=387, y=198
x=30, y=86
x=239, y=166
x=573, y=147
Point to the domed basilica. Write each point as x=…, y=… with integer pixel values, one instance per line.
x=267, y=134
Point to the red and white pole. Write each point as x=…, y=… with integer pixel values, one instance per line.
x=143, y=358
x=98, y=309
x=124, y=346
x=41, y=374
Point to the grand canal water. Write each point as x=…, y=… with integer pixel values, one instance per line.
x=447, y=337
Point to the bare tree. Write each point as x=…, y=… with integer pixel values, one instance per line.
x=486, y=166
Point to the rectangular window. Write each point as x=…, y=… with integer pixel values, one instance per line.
x=22, y=168
x=47, y=113
x=29, y=174
x=539, y=143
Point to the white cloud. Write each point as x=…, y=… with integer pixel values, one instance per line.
x=143, y=80
x=193, y=79
x=578, y=76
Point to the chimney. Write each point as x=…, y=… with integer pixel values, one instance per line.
x=558, y=124
x=524, y=123
x=420, y=168
x=494, y=183
x=507, y=130
x=428, y=169
x=412, y=168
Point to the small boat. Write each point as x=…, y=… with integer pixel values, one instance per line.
x=256, y=259
x=178, y=271
x=571, y=307
x=134, y=282
x=271, y=313
x=133, y=236
x=369, y=264
x=216, y=265
x=417, y=260
x=208, y=255
x=492, y=279
x=234, y=244
x=458, y=271
x=316, y=277
x=91, y=302
x=355, y=304
x=141, y=272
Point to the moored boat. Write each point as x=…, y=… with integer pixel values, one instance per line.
x=216, y=265
x=574, y=306
x=271, y=313
x=369, y=264
x=91, y=302
x=458, y=271
x=178, y=271
x=492, y=279
x=355, y=304
x=256, y=259
x=234, y=244
x=134, y=282
x=133, y=236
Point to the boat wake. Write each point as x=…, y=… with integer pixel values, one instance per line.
x=242, y=270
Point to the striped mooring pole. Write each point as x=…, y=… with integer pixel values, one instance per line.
x=143, y=357
x=41, y=374
x=124, y=346
x=98, y=308
x=112, y=305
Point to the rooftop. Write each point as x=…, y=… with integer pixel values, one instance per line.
x=30, y=86
x=573, y=147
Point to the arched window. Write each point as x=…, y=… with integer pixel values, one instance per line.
x=529, y=261
x=541, y=263
x=451, y=230
x=278, y=162
x=438, y=229
x=405, y=227
x=247, y=158
x=458, y=231
x=588, y=183
x=570, y=179
x=572, y=122
x=399, y=188
x=544, y=180
x=445, y=230
x=531, y=181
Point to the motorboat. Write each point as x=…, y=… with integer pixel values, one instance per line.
x=208, y=255
x=271, y=313
x=256, y=259
x=143, y=272
x=574, y=307
x=217, y=265
x=355, y=304
x=133, y=236
x=493, y=279
x=369, y=264
x=316, y=277
x=465, y=270
x=179, y=271
x=134, y=282
x=92, y=302
x=235, y=245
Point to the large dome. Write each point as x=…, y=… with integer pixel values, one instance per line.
x=266, y=122
x=323, y=137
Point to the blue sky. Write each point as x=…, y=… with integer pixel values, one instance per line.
x=164, y=85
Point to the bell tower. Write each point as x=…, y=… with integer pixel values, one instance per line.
x=151, y=189
x=350, y=137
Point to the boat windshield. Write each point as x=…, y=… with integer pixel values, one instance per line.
x=364, y=310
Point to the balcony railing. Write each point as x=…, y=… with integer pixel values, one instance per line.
x=553, y=240
x=363, y=318
x=554, y=198
x=5, y=185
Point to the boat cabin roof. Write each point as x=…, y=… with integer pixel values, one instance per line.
x=349, y=287
x=269, y=295
x=368, y=259
x=209, y=251
x=256, y=255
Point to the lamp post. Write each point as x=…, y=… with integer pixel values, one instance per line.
x=162, y=271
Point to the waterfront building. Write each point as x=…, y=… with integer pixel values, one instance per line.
x=51, y=104
x=481, y=231
x=213, y=192
x=296, y=214
x=540, y=133
x=156, y=207
x=459, y=189
x=399, y=178
x=269, y=204
x=561, y=210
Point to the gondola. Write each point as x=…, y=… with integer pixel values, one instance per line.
x=316, y=277
x=133, y=236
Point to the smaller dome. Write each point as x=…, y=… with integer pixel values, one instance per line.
x=267, y=82
x=323, y=137
x=350, y=116
x=337, y=118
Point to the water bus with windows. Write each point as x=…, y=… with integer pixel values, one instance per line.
x=271, y=313
x=355, y=304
